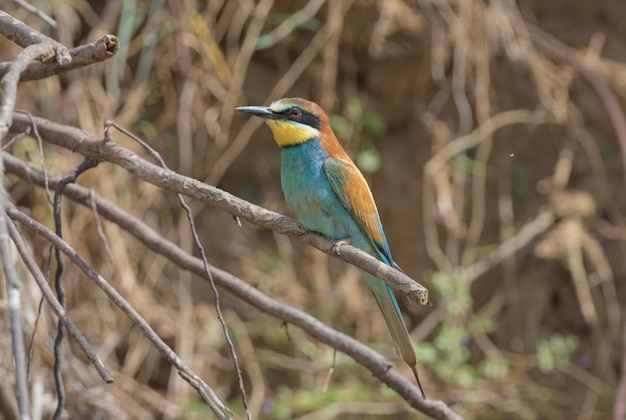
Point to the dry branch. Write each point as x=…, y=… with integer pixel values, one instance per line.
x=526, y=235
x=37, y=47
x=70, y=178
x=81, y=142
x=25, y=36
x=311, y=325
x=47, y=293
x=205, y=263
x=82, y=56
x=207, y=394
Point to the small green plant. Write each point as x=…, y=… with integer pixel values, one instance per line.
x=448, y=353
x=452, y=355
x=555, y=351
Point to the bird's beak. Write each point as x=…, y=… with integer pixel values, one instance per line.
x=260, y=111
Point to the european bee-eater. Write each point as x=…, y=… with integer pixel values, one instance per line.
x=329, y=195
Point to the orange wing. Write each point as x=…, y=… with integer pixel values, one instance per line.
x=352, y=190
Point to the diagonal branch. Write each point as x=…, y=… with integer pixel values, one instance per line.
x=367, y=357
x=208, y=395
x=28, y=258
x=205, y=262
x=80, y=141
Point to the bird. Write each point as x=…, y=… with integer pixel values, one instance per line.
x=330, y=196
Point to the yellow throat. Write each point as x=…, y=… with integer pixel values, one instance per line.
x=290, y=134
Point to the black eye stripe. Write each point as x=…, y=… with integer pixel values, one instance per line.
x=305, y=117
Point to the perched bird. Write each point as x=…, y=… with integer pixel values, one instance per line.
x=330, y=196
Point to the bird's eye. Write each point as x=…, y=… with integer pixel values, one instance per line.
x=295, y=113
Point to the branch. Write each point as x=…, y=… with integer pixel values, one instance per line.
x=474, y=138
x=205, y=262
x=25, y=36
x=40, y=48
x=87, y=164
x=526, y=235
x=80, y=141
x=14, y=285
x=10, y=80
x=28, y=258
x=82, y=56
x=367, y=357
x=207, y=394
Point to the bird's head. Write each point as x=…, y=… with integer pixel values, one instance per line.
x=293, y=121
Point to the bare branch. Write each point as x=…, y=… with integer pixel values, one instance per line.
x=205, y=262
x=207, y=394
x=82, y=56
x=25, y=36
x=367, y=357
x=28, y=258
x=509, y=247
x=9, y=88
x=10, y=80
x=80, y=141
x=474, y=138
x=14, y=298
x=70, y=178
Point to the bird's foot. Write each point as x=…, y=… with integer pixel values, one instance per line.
x=339, y=243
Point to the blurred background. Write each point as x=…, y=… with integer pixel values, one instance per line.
x=494, y=162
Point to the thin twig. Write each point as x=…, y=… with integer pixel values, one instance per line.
x=103, y=236
x=14, y=285
x=48, y=295
x=88, y=163
x=208, y=395
x=528, y=233
x=331, y=370
x=41, y=154
x=474, y=138
x=292, y=22
x=205, y=262
x=240, y=68
x=37, y=12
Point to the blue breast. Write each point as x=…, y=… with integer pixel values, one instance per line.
x=309, y=194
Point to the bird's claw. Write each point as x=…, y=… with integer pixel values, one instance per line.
x=338, y=245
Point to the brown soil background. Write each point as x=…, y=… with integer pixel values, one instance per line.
x=432, y=71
